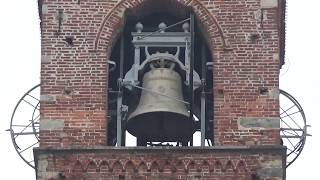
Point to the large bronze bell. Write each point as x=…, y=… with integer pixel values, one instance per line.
x=161, y=114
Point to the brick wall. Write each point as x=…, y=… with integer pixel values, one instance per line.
x=243, y=37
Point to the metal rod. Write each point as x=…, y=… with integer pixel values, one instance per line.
x=26, y=133
x=300, y=110
x=119, y=130
x=291, y=151
x=289, y=126
x=30, y=104
x=36, y=119
x=119, y=98
x=172, y=25
x=297, y=137
x=29, y=147
x=291, y=129
x=291, y=114
x=15, y=125
x=123, y=130
x=287, y=109
x=121, y=56
x=136, y=63
x=191, y=69
x=290, y=141
x=203, y=97
x=33, y=97
x=208, y=141
x=284, y=132
x=16, y=135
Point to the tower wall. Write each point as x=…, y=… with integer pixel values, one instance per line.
x=244, y=40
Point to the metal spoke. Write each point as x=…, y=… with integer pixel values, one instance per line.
x=26, y=133
x=293, y=120
x=209, y=143
x=290, y=142
x=31, y=161
x=291, y=151
x=15, y=125
x=33, y=97
x=29, y=147
x=24, y=129
x=37, y=118
x=291, y=114
x=287, y=109
x=288, y=132
x=288, y=125
x=30, y=104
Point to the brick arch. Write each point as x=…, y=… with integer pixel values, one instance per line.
x=229, y=166
x=218, y=165
x=154, y=166
x=117, y=166
x=113, y=21
x=142, y=167
x=104, y=165
x=168, y=164
x=130, y=166
x=91, y=165
x=242, y=166
x=78, y=167
x=206, y=165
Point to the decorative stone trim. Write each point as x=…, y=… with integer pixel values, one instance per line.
x=258, y=123
x=47, y=98
x=51, y=124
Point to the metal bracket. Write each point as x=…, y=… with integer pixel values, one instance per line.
x=161, y=39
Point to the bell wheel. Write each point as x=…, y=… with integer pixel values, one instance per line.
x=293, y=128
x=24, y=125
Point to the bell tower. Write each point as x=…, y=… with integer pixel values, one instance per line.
x=161, y=89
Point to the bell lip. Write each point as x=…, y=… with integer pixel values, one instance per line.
x=169, y=130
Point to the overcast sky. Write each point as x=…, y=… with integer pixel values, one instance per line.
x=20, y=70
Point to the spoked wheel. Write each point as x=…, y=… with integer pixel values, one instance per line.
x=293, y=128
x=24, y=125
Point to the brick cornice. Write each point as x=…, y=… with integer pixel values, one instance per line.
x=237, y=159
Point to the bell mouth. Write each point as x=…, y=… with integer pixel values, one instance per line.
x=161, y=126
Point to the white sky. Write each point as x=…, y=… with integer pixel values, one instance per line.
x=20, y=70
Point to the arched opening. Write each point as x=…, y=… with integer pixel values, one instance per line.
x=149, y=18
